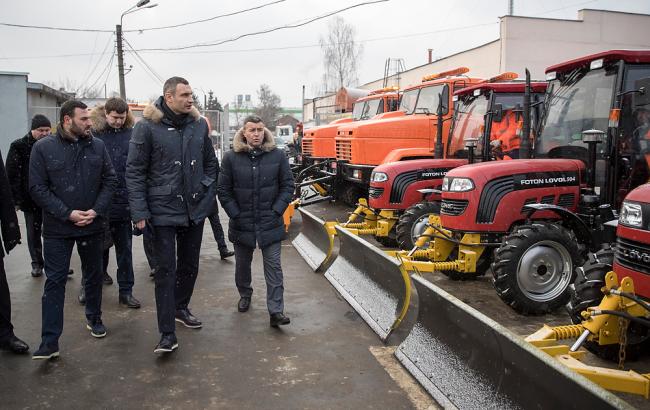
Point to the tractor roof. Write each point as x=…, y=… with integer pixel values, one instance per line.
x=629, y=56
x=505, y=87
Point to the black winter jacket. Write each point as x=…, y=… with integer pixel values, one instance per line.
x=8, y=219
x=171, y=173
x=255, y=188
x=117, y=145
x=18, y=172
x=65, y=175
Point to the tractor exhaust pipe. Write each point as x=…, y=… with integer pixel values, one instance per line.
x=439, y=148
x=524, y=146
x=592, y=138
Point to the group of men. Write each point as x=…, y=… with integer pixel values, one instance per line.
x=162, y=176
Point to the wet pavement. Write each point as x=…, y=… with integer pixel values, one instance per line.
x=326, y=358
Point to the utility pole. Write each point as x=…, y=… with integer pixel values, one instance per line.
x=511, y=7
x=120, y=60
x=302, y=106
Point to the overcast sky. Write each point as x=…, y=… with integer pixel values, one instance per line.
x=284, y=59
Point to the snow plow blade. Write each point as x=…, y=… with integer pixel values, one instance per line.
x=373, y=283
x=466, y=360
x=315, y=242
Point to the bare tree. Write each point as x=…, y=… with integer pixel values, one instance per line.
x=341, y=53
x=79, y=90
x=269, y=107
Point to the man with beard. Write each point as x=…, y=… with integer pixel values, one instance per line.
x=18, y=173
x=72, y=179
x=171, y=176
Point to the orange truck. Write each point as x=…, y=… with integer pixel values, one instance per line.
x=318, y=142
x=408, y=133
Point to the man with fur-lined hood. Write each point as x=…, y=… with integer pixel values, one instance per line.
x=171, y=176
x=113, y=123
x=255, y=187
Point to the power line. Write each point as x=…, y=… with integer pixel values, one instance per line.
x=108, y=67
x=311, y=20
x=157, y=76
x=98, y=61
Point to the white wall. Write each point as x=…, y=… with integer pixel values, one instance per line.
x=13, y=109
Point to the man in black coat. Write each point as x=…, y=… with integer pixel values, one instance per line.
x=72, y=179
x=171, y=176
x=255, y=187
x=10, y=233
x=112, y=123
x=18, y=173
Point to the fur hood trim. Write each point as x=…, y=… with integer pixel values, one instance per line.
x=155, y=114
x=239, y=143
x=98, y=118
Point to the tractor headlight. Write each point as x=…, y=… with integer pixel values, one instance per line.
x=445, y=184
x=631, y=214
x=460, y=185
x=379, y=177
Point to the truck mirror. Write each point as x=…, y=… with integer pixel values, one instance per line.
x=497, y=113
x=642, y=95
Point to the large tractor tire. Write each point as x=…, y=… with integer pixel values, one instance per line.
x=413, y=222
x=534, y=267
x=586, y=292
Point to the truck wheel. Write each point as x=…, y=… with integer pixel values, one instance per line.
x=350, y=195
x=533, y=268
x=586, y=292
x=413, y=222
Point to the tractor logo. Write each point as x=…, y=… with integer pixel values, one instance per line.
x=432, y=173
x=545, y=179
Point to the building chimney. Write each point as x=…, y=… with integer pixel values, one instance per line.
x=430, y=55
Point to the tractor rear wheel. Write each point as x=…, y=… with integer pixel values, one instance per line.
x=350, y=195
x=586, y=292
x=534, y=267
x=413, y=222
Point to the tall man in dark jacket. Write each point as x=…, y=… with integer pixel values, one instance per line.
x=72, y=179
x=171, y=176
x=10, y=233
x=255, y=187
x=112, y=123
x=18, y=173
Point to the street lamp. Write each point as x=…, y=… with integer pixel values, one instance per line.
x=118, y=34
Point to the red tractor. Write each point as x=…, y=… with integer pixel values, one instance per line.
x=541, y=216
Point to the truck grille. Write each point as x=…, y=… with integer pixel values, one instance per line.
x=453, y=207
x=492, y=194
x=375, y=192
x=344, y=150
x=308, y=148
x=633, y=255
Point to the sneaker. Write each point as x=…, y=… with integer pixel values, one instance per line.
x=37, y=271
x=167, y=344
x=279, y=319
x=107, y=279
x=97, y=328
x=129, y=301
x=46, y=352
x=185, y=317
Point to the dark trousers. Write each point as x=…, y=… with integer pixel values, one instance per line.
x=217, y=230
x=176, y=251
x=272, y=275
x=34, y=227
x=57, y=252
x=6, y=328
x=147, y=243
x=122, y=232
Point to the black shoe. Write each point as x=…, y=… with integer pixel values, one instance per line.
x=13, y=344
x=226, y=253
x=107, y=279
x=82, y=295
x=167, y=344
x=37, y=271
x=70, y=272
x=46, y=352
x=279, y=319
x=244, y=304
x=152, y=274
x=185, y=317
x=97, y=328
x=129, y=301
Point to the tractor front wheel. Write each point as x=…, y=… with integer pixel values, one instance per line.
x=413, y=222
x=533, y=268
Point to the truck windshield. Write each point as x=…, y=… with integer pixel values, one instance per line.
x=357, y=110
x=577, y=101
x=410, y=97
x=371, y=108
x=429, y=98
x=468, y=123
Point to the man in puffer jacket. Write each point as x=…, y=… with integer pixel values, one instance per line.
x=112, y=123
x=255, y=187
x=171, y=176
